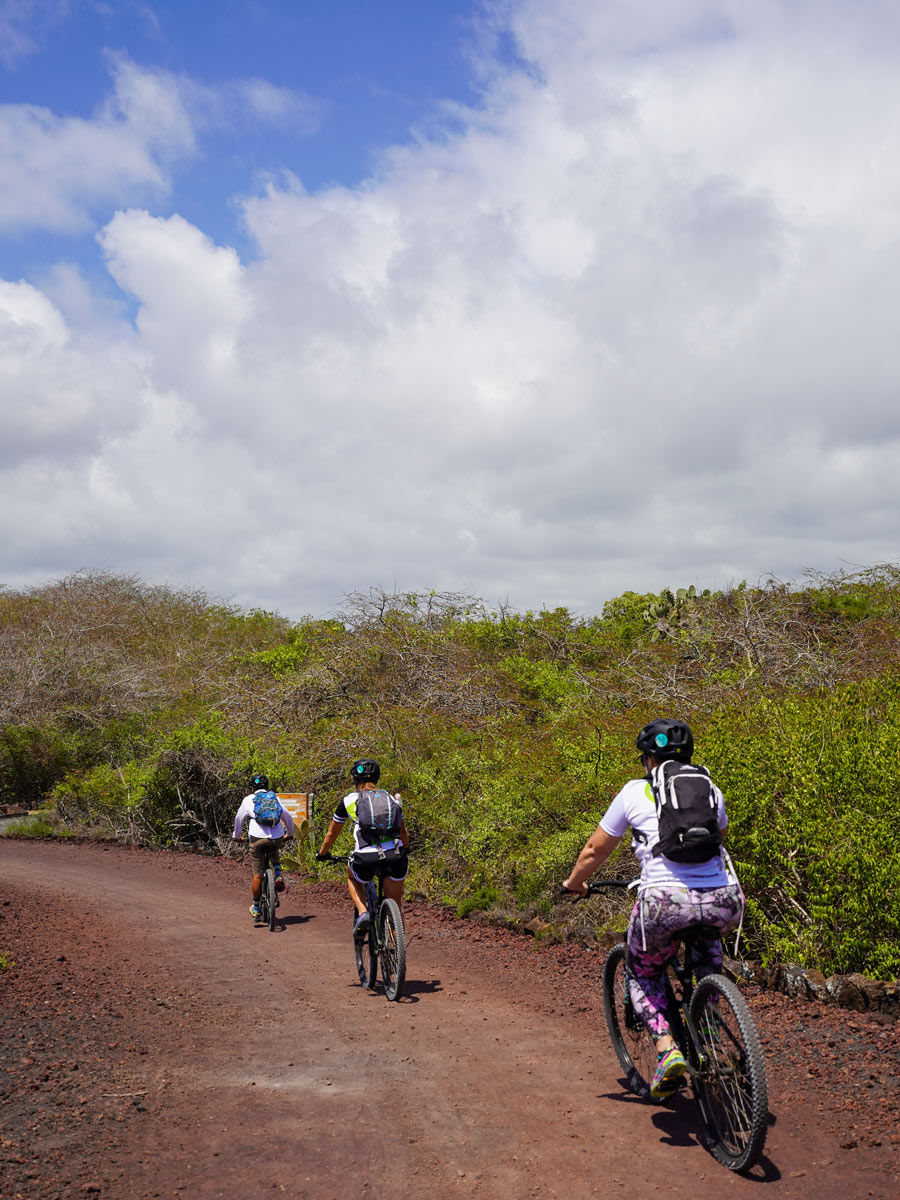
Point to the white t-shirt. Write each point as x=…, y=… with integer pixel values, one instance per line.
x=634, y=808
x=285, y=826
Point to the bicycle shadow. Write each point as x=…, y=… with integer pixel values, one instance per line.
x=677, y=1123
x=296, y=919
x=413, y=988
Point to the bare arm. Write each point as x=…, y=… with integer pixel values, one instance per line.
x=597, y=850
x=331, y=836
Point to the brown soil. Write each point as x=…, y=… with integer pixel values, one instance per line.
x=156, y=1044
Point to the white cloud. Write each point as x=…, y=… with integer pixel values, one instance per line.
x=58, y=173
x=628, y=323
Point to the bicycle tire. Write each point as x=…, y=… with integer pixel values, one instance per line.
x=392, y=948
x=365, y=956
x=268, y=890
x=730, y=1083
x=634, y=1047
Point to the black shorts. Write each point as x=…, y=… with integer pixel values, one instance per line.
x=364, y=868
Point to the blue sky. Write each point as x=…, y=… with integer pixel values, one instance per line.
x=371, y=74
x=537, y=302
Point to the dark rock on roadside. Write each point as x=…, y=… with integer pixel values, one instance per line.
x=855, y=992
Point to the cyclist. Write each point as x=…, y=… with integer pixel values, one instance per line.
x=265, y=840
x=366, y=861
x=672, y=896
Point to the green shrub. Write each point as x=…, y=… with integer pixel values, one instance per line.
x=481, y=899
x=139, y=713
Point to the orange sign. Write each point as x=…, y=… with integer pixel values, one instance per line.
x=299, y=805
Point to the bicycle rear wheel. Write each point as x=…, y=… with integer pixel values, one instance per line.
x=366, y=958
x=268, y=891
x=631, y=1040
x=392, y=940
x=730, y=1083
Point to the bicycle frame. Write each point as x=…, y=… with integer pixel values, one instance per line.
x=679, y=1006
x=712, y=1025
x=385, y=938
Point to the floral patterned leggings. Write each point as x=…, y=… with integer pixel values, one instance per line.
x=660, y=913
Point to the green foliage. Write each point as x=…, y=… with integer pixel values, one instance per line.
x=32, y=758
x=481, y=899
x=5, y=961
x=813, y=789
x=140, y=713
x=625, y=616
x=36, y=827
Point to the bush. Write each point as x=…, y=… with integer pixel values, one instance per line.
x=140, y=713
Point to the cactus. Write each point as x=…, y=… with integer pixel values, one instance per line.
x=672, y=611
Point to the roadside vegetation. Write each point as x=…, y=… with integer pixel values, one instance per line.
x=138, y=713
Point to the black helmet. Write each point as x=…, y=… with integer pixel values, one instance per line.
x=259, y=783
x=365, y=770
x=664, y=738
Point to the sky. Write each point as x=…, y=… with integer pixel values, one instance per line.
x=536, y=302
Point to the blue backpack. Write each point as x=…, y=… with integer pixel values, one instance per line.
x=266, y=808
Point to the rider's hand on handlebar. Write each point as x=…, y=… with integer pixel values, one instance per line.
x=579, y=893
x=320, y=857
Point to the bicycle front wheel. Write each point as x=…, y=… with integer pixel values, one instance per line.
x=270, y=900
x=392, y=939
x=631, y=1040
x=366, y=958
x=730, y=1083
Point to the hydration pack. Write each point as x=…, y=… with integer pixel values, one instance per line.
x=687, y=811
x=378, y=816
x=266, y=808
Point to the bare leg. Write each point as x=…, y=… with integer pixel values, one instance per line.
x=393, y=889
x=357, y=894
x=257, y=886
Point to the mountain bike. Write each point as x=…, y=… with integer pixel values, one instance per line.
x=712, y=1025
x=268, y=899
x=384, y=942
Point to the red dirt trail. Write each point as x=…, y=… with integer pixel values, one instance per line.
x=156, y=1044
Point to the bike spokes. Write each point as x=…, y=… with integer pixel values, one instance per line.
x=730, y=1079
x=631, y=1040
x=392, y=949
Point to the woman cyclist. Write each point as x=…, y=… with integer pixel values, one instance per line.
x=672, y=896
x=366, y=860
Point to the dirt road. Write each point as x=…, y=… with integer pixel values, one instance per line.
x=156, y=1044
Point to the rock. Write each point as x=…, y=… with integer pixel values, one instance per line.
x=816, y=983
x=608, y=939
x=537, y=926
x=872, y=991
x=843, y=991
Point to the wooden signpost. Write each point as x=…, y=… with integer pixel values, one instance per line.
x=301, y=806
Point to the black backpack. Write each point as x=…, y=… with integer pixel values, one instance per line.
x=688, y=814
x=378, y=816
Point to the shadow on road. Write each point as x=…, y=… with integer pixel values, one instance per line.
x=679, y=1126
x=420, y=987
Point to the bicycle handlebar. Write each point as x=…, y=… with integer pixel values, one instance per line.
x=595, y=887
